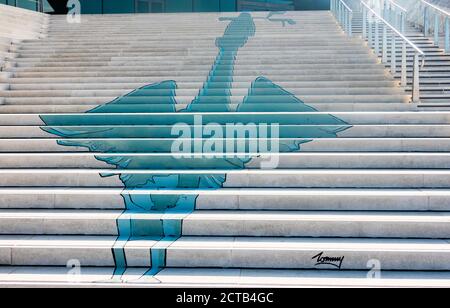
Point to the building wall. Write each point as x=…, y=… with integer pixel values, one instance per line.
x=26, y=4
x=173, y=6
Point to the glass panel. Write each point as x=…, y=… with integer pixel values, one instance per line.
x=150, y=6
x=158, y=6
x=118, y=6
x=173, y=6
x=266, y=5
x=228, y=5
x=206, y=5
x=27, y=4
x=91, y=6
x=312, y=4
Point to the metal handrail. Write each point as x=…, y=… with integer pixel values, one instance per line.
x=434, y=7
x=438, y=14
x=392, y=12
x=374, y=43
x=343, y=13
x=398, y=6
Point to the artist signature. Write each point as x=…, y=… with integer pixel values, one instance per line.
x=325, y=260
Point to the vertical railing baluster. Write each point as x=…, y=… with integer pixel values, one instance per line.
x=391, y=33
x=350, y=23
x=384, y=47
x=447, y=34
x=392, y=14
x=377, y=38
x=416, y=81
x=364, y=23
x=436, y=29
x=404, y=65
x=393, y=55
x=425, y=22
x=402, y=22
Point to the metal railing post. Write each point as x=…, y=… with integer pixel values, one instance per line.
x=350, y=23
x=402, y=22
x=416, y=82
x=447, y=34
x=427, y=11
x=384, y=47
x=404, y=65
x=343, y=14
x=346, y=19
x=436, y=29
x=393, y=55
x=377, y=38
x=364, y=23
x=391, y=34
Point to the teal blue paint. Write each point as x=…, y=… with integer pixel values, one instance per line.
x=228, y=5
x=206, y=5
x=118, y=7
x=236, y=35
x=172, y=6
x=175, y=6
x=91, y=6
x=121, y=121
x=27, y=4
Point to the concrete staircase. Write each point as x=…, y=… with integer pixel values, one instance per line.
x=17, y=25
x=434, y=75
x=87, y=177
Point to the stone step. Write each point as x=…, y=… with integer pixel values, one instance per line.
x=200, y=78
x=282, y=117
x=213, y=52
x=299, y=253
x=192, y=75
x=317, y=145
x=280, y=44
x=325, y=107
x=308, y=99
x=199, y=85
x=218, y=68
x=17, y=276
x=236, y=223
x=183, y=92
x=231, y=252
x=190, y=55
x=58, y=250
x=245, y=178
x=242, y=75
x=286, y=131
x=284, y=160
x=170, y=63
x=275, y=50
x=249, y=199
x=94, y=60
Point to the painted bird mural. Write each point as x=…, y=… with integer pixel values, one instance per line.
x=107, y=129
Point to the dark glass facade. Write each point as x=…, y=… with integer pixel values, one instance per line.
x=34, y=5
x=173, y=6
